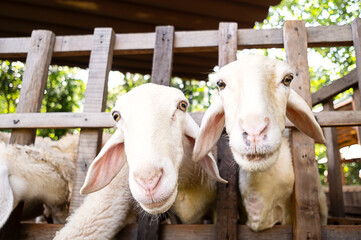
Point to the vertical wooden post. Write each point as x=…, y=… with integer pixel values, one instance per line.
x=95, y=101
x=334, y=171
x=306, y=221
x=31, y=95
x=356, y=36
x=227, y=194
x=148, y=228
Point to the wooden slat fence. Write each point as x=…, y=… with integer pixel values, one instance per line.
x=104, y=44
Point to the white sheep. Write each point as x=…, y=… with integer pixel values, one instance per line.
x=254, y=98
x=149, y=160
x=29, y=173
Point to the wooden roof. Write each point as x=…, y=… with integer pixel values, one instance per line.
x=74, y=17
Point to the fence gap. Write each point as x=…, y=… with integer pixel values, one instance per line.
x=306, y=220
x=95, y=101
x=337, y=208
x=148, y=226
x=227, y=194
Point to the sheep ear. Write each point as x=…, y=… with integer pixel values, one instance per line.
x=208, y=163
x=211, y=129
x=106, y=165
x=6, y=196
x=300, y=114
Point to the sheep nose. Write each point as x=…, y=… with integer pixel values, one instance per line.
x=251, y=132
x=149, y=183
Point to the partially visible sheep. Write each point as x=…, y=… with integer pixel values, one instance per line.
x=255, y=97
x=149, y=159
x=67, y=148
x=30, y=173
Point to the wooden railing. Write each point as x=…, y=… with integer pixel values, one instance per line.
x=104, y=44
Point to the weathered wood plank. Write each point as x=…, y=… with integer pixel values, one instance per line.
x=161, y=74
x=337, y=86
x=95, y=100
x=163, y=55
x=227, y=194
x=306, y=220
x=356, y=105
x=104, y=120
x=185, y=41
x=34, y=81
x=197, y=232
x=334, y=171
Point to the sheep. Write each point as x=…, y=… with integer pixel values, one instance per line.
x=67, y=148
x=29, y=173
x=147, y=162
x=253, y=101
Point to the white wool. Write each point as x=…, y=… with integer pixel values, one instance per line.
x=38, y=174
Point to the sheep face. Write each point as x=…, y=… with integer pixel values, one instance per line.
x=255, y=107
x=254, y=98
x=152, y=129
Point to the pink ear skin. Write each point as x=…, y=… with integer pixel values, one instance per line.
x=106, y=165
x=208, y=163
x=211, y=129
x=300, y=114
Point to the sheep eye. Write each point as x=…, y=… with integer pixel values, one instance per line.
x=287, y=79
x=116, y=116
x=183, y=106
x=221, y=84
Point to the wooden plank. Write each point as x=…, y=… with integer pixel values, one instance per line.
x=356, y=105
x=334, y=172
x=343, y=221
x=334, y=88
x=161, y=74
x=185, y=41
x=227, y=194
x=197, y=232
x=163, y=55
x=351, y=232
x=95, y=101
x=34, y=81
x=57, y=120
x=306, y=220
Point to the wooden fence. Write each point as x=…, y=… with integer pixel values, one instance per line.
x=295, y=38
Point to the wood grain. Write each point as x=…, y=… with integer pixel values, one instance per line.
x=334, y=88
x=34, y=81
x=306, y=220
x=163, y=55
x=185, y=41
x=334, y=170
x=198, y=232
x=95, y=100
x=227, y=194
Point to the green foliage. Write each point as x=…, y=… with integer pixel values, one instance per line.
x=63, y=92
x=10, y=78
x=352, y=173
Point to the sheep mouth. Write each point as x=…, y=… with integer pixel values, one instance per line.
x=257, y=156
x=156, y=206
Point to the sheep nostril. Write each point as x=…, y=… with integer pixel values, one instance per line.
x=244, y=134
x=149, y=183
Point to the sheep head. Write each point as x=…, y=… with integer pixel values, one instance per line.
x=254, y=98
x=152, y=129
